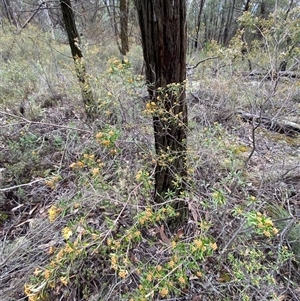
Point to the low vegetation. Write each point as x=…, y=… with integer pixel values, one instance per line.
x=77, y=217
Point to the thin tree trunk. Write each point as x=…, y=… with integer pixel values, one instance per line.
x=74, y=41
x=198, y=25
x=10, y=14
x=164, y=39
x=124, y=7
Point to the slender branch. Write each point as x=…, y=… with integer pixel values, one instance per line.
x=45, y=123
x=22, y=185
x=202, y=61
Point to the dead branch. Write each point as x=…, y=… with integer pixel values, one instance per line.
x=284, y=126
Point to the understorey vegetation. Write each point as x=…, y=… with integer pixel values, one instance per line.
x=78, y=217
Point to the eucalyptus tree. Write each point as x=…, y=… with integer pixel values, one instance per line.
x=164, y=40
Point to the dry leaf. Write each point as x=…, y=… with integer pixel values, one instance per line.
x=180, y=233
x=163, y=236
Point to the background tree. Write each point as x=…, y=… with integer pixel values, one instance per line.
x=118, y=11
x=74, y=41
x=124, y=10
x=164, y=39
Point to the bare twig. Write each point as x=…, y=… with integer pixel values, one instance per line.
x=45, y=123
x=22, y=185
x=202, y=61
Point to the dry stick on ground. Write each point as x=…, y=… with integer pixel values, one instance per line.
x=45, y=123
x=22, y=185
x=285, y=126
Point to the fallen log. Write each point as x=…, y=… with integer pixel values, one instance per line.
x=283, y=126
x=272, y=75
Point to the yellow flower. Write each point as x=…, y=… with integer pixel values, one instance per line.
x=149, y=277
x=181, y=280
x=267, y=233
x=275, y=231
x=171, y=264
x=60, y=254
x=109, y=94
x=63, y=280
x=113, y=260
x=199, y=274
x=164, y=292
x=268, y=222
x=148, y=212
x=37, y=271
x=198, y=243
x=27, y=290
x=66, y=233
x=72, y=165
x=99, y=135
x=260, y=225
x=138, y=175
x=123, y=273
x=113, y=151
x=33, y=297
x=79, y=164
x=159, y=268
x=53, y=212
x=95, y=171
x=68, y=249
x=106, y=142
x=47, y=274
x=213, y=246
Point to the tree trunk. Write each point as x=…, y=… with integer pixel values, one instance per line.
x=74, y=41
x=164, y=39
x=10, y=14
x=124, y=7
x=202, y=2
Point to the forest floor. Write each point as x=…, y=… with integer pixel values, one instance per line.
x=76, y=217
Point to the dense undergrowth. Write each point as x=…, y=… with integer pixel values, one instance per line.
x=77, y=218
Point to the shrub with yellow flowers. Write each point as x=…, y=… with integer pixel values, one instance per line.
x=117, y=65
x=159, y=278
x=108, y=138
x=261, y=224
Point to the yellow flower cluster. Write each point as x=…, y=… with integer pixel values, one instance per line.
x=30, y=295
x=66, y=233
x=164, y=292
x=198, y=245
x=108, y=139
x=114, y=261
x=151, y=107
x=78, y=164
x=265, y=225
x=116, y=64
x=52, y=182
x=53, y=213
x=147, y=215
x=123, y=273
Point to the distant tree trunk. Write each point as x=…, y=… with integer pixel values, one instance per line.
x=202, y=2
x=10, y=14
x=124, y=9
x=74, y=41
x=164, y=41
